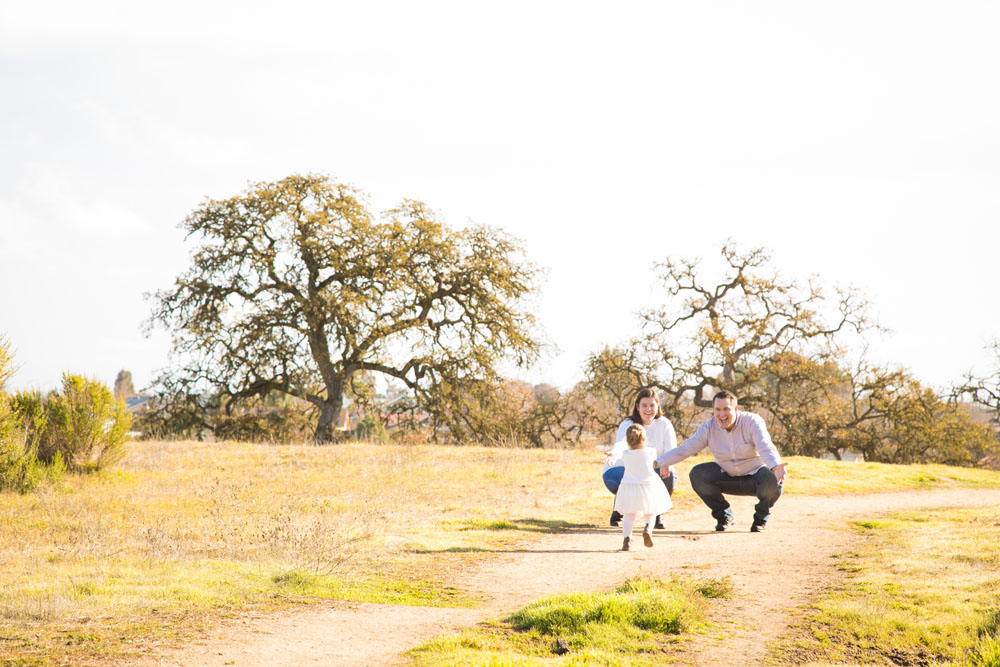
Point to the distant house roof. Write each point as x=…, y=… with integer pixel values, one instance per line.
x=396, y=420
x=134, y=403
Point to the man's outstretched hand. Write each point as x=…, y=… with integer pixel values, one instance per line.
x=780, y=472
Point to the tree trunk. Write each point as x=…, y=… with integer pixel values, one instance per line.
x=326, y=427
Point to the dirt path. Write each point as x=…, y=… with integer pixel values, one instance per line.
x=773, y=574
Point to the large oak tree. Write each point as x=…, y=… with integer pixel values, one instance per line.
x=296, y=287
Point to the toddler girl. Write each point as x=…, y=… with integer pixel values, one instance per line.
x=641, y=493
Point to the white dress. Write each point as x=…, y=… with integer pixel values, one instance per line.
x=641, y=491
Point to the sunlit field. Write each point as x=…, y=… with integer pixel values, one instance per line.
x=184, y=533
x=923, y=589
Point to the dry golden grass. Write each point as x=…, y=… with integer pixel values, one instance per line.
x=811, y=476
x=182, y=533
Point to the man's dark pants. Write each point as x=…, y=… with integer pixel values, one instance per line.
x=710, y=481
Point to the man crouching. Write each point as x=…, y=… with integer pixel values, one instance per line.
x=746, y=462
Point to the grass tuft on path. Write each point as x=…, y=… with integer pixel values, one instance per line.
x=632, y=625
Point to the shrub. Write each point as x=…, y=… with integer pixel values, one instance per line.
x=85, y=425
x=17, y=459
x=20, y=469
x=29, y=409
x=276, y=417
x=176, y=415
x=265, y=425
x=371, y=429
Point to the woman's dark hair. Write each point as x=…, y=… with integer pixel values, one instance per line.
x=648, y=392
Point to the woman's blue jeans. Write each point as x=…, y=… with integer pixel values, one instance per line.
x=710, y=481
x=613, y=479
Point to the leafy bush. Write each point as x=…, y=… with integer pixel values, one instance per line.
x=29, y=408
x=21, y=419
x=85, y=425
x=265, y=425
x=18, y=462
x=20, y=469
x=175, y=414
x=371, y=429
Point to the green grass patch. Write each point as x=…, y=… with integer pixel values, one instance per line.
x=923, y=589
x=420, y=593
x=869, y=525
x=715, y=588
x=484, y=524
x=984, y=653
x=635, y=624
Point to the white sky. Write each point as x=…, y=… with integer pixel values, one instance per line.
x=856, y=140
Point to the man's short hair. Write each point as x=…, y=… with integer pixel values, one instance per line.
x=726, y=394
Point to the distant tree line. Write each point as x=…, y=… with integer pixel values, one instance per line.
x=786, y=349
x=298, y=297
x=300, y=302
